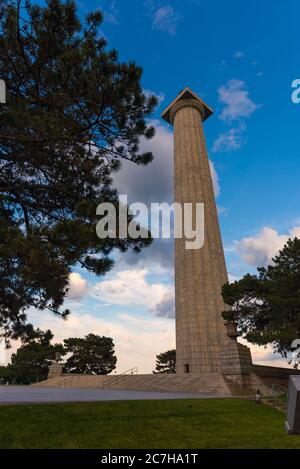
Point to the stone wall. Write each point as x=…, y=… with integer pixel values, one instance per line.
x=274, y=375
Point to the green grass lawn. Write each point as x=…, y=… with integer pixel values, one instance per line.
x=203, y=423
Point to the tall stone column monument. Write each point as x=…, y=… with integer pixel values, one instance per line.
x=199, y=273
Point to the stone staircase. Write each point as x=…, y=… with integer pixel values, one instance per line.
x=210, y=384
x=73, y=381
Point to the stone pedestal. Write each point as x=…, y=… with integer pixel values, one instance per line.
x=55, y=370
x=236, y=360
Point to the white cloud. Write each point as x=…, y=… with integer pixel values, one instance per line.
x=78, y=286
x=159, y=96
x=239, y=55
x=132, y=288
x=238, y=104
x=264, y=355
x=261, y=249
x=111, y=16
x=237, y=107
x=215, y=179
x=166, y=307
x=230, y=140
x=166, y=19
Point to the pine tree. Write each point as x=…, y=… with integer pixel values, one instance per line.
x=31, y=361
x=166, y=362
x=94, y=355
x=266, y=306
x=73, y=113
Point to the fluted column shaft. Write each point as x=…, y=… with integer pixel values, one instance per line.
x=199, y=273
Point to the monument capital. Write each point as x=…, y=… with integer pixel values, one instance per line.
x=186, y=98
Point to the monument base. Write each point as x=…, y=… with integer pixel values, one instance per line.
x=55, y=370
x=236, y=363
x=233, y=383
x=238, y=368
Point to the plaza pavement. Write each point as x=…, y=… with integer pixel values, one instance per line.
x=28, y=394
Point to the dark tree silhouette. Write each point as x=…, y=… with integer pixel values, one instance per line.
x=73, y=113
x=93, y=355
x=166, y=362
x=31, y=362
x=266, y=306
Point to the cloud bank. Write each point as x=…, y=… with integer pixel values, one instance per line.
x=259, y=250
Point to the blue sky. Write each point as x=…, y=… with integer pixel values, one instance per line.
x=241, y=58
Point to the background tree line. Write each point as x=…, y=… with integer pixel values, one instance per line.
x=92, y=354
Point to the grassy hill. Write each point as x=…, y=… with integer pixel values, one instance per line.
x=202, y=423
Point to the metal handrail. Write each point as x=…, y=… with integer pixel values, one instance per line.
x=69, y=379
x=115, y=379
x=272, y=392
x=282, y=389
x=277, y=390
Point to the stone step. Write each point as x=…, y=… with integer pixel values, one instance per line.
x=209, y=383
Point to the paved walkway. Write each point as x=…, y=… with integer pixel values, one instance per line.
x=28, y=394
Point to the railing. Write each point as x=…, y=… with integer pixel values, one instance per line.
x=117, y=378
x=274, y=394
x=68, y=380
x=280, y=396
